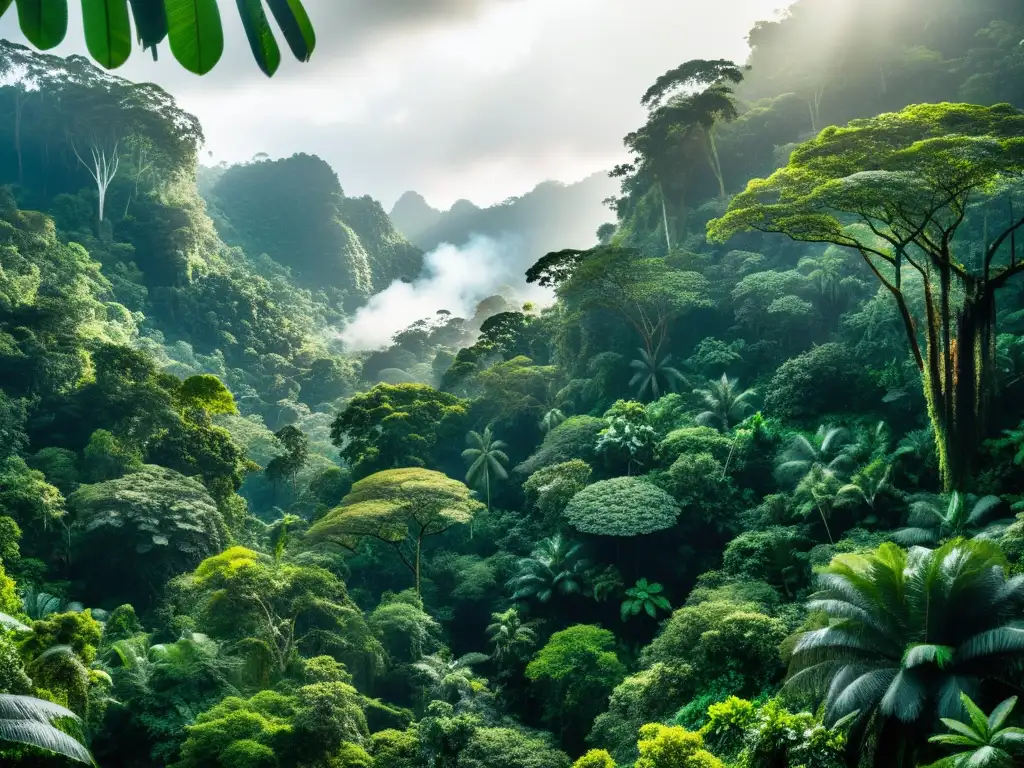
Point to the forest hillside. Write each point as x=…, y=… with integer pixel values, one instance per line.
x=745, y=492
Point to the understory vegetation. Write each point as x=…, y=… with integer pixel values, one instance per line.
x=748, y=493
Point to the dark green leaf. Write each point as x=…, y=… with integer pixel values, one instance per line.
x=651, y=610
x=291, y=17
x=150, y=22
x=261, y=37
x=108, y=32
x=4, y=5
x=43, y=22
x=195, y=33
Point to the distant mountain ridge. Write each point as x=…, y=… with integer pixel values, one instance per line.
x=550, y=217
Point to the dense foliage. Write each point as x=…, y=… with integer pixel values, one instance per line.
x=747, y=494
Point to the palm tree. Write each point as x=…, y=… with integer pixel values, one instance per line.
x=651, y=369
x=450, y=676
x=984, y=741
x=933, y=518
x=868, y=486
x=905, y=634
x=829, y=448
x=726, y=404
x=508, y=634
x=817, y=491
x=554, y=568
x=30, y=721
x=487, y=459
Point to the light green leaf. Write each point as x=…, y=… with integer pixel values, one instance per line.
x=43, y=22
x=108, y=32
x=195, y=33
x=1000, y=713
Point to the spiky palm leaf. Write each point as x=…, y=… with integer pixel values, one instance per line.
x=30, y=721
x=726, y=404
x=909, y=632
x=983, y=741
x=554, y=568
x=935, y=518
x=651, y=371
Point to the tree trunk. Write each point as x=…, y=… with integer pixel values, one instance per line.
x=716, y=163
x=419, y=547
x=959, y=409
x=18, y=111
x=664, y=217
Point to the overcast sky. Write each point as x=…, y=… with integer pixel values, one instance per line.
x=479, y=99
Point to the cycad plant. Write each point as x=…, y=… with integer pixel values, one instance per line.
x=554, y=568
x=30, y=722
x=645, y=597
x=983, y=742
x=727, y=405
x=486, y=459
x=906, y=634
x=508, y=634
x=935, y=518
x=652, y=370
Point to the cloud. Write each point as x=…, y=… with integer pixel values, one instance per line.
x=454, y=279
x=454, y=98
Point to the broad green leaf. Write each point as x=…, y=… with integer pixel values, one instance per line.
x=195, y=33
x=261, y=38
x=1000, y=713
x=291, y=17
x=651, y=610
x=964, y=730
x=108, y=32
x=4, y=5
x=150, y=22
x=43, y=22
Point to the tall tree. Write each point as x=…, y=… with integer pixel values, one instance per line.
x=295, y=456
x=400, y=507
x=927, y=197
x=690, y=101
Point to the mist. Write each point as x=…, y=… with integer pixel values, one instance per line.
x=454, y=279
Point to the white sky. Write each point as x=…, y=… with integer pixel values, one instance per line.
x=477, y=99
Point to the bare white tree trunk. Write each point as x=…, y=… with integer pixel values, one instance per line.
x=664, y=217
x=103, y=169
